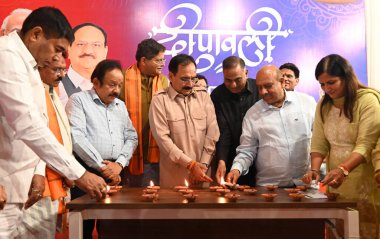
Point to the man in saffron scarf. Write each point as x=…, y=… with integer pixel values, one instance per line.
x=142, y=80
x=47, y=218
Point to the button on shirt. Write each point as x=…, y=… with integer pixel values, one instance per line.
x=280, y=138
x=100, y=132
x=185, y=129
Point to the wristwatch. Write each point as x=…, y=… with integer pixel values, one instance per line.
x=122, y=167
x=344, y=170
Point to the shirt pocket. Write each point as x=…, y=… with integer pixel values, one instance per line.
x=297, y=127
x=177, y=124
x=200, y=120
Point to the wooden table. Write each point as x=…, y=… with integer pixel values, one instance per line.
x=128, y=204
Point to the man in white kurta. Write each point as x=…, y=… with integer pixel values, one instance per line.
x=24, y=135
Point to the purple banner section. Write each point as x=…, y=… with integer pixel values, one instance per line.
x=261, y=32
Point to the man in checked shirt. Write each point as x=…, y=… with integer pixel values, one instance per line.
x=103, y=135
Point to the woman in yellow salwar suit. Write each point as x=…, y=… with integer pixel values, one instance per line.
x=345, y=131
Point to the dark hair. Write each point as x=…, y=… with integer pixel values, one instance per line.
x=291, y=67
x=148, y=48
x=337, y=66
x=103, y=67
x=232, y=61
x=52, y=21
x=181, y=59
x=202, y=77
x=76, y=28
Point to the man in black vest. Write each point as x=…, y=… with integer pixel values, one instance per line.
x=232, y=99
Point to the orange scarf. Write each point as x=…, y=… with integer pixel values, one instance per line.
x=132, y=94
x=54, y=181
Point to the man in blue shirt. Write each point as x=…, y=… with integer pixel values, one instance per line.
x=276, y=133
x=103, y=135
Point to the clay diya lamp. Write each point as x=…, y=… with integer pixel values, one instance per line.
x=269, y=197
x=250, y=191
x=271, y=188
x=214, y=188
x=149, y=191
x=190, y=197
x=154, y=187
x=177, y=188
x=302, y=187
x=292, y=190
x=331, y=196
x=186, y=191
x=232, y=197
x=223, y=191
x=149, y=197
x=242, y=187
x=296, y=196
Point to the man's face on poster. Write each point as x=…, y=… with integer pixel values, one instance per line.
x=88, y=48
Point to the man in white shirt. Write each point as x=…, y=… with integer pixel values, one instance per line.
x=87, y=50
x=276, y=133
x=24, y=134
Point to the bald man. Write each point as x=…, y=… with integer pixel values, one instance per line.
x=276, y=133
x=14, y=21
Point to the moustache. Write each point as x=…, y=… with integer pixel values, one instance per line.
x=87, y=55
x=114, y=94
x=58, y=79
x=187, y=88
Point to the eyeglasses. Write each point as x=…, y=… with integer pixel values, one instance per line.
x=83, y=44
x=188, y=79
x=57, y=71
x=159, y=61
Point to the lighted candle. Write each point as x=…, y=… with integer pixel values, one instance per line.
x=177, y=188
x=152, y=186
x=222, y=182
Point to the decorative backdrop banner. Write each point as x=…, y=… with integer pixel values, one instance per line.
x=261, y=32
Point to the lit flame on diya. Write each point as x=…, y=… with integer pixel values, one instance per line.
x=222, y=182
x=151, y=183
x=186, y=183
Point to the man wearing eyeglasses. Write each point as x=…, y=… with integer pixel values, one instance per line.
x=142, y=80
x=51, y=202
x=24, y=134
x=183, y=121
x=87, y=50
